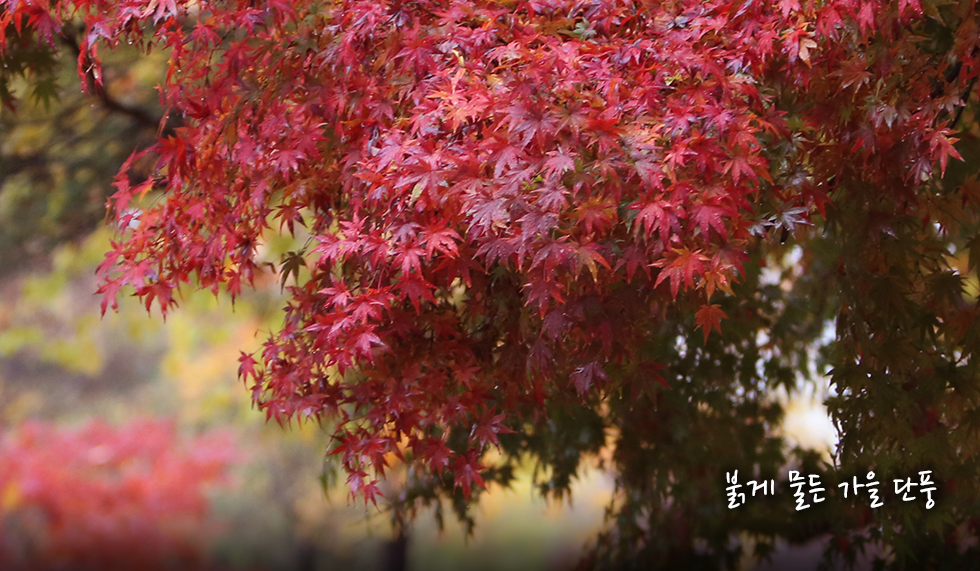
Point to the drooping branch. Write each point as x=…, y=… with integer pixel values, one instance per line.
x=13, y=164
x=139, y=115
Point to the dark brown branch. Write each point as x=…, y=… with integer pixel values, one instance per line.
x=966, y=99
x=13, y=164
x=141, y=116
x=954, y=73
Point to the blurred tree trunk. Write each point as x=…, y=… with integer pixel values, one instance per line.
x=397, y=552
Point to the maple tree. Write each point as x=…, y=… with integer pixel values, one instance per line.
x=527, y=224
x=100, y=497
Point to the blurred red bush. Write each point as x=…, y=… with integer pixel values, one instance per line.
x=107, y=498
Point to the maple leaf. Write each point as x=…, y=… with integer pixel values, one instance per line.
x=633, y=258
x=487, y=429
x=680, y=268
x=558, y=163
x=790, y=218
x=416, y=290
x=941, y=144
x=541, y=292
x=467, y=470
x=787, y=7
x=585, y=376
x=716, y=278
x=596, y=215
x=552, y=254
x=246, y=368
x=655, y=216
x=339, y=295
x=292, y=262
x=409, y=260
x=708, y=216
x=914, y=5
x=288, y=160
x=709, y=317
x=365, y=341
x=439, y=455
x=590, y=257
x=160, y=9
x=441, y=240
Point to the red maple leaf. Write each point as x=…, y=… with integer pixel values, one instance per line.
x=681, y=267
x=709, y=317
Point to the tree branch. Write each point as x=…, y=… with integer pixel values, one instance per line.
x=141, y=116
x=13, y=164
x=966, y=98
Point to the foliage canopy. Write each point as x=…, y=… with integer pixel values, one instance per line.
x=533, y=225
